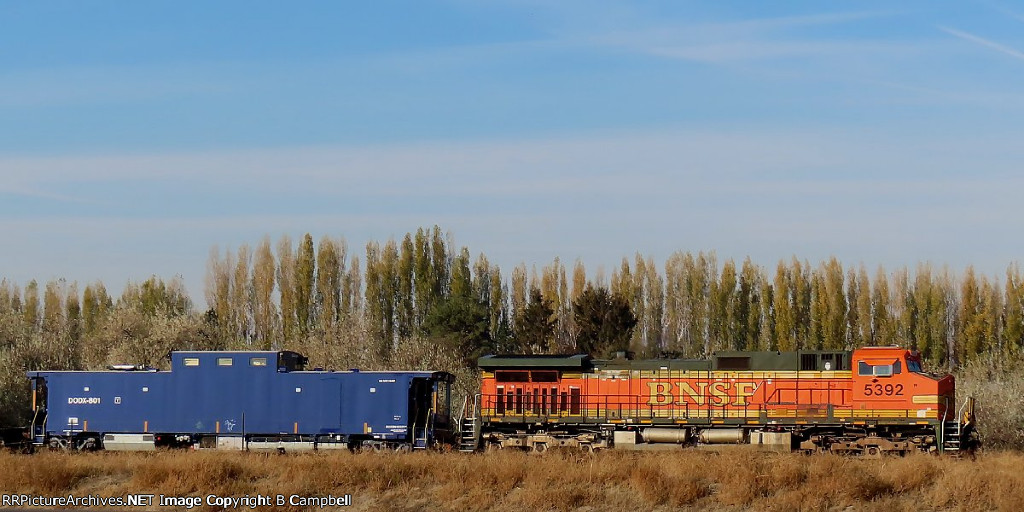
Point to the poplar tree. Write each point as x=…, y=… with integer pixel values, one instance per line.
x=748, y=309
x=439, y=266
x=96, y=303
x=329, y=267
x=800, y=276
x=903, y=307
x=374, y=301
x=305, y=269
x=970, y=329
x=723, y=306
x=655, y=310
x=217, y=289
x=785, y=318
x=352, y=291
x=884, y=332
x=286, y=284
x=53, y=307
x=817, y=332
x=264, y=308
x=674, y=304
x=241, y=296
x=866, y=332
x=389, y=296
x=30, y=305
x=500, y=329
x=423, y=276
x=766, y=339
x=405, y=305
x=1013, y=310
x=518, y=295
x=853, y=338
x=922, y=338
x=834, y=324
x=5, y=296
x=462, y=282
x=73, y=313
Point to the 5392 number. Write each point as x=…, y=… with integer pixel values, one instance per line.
x=883, y=390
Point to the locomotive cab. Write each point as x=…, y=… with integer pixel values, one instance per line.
x=892, y=379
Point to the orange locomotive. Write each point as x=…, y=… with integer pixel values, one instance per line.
x=872, y=400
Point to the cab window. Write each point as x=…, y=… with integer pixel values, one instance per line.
x=879, y=370
x=914, y=366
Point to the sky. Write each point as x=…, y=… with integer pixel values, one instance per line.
x=137, y=136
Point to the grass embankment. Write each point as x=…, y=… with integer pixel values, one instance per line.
x=685, y=479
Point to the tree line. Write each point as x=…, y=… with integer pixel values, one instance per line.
x=420, y=302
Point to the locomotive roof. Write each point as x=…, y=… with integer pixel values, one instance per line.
x=814, y=360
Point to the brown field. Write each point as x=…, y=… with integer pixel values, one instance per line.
x=677, y=480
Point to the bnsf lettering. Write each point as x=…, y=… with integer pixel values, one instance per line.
x=714, y=393
x=83, y=400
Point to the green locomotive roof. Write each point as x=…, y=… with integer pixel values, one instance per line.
x=813, y=360
x=553, y=362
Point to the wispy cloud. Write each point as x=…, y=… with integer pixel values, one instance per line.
x=750, y=39
x=988, y=43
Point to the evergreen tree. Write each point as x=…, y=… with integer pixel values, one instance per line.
x=461, y=324
x=604, y=321
x=535, y=332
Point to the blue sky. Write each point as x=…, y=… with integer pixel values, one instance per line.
x=134, y=136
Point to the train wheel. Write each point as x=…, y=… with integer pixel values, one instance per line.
x=588, y=449
x=59, y=444
x=493, y=447
x=540, y=447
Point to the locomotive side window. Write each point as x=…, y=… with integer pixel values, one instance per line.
x=914, y=366
x=511, y=376
x=224, y=361
x=257, y=361
x=544, y=376
x=191, y=361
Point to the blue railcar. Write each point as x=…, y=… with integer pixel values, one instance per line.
x=241, y=400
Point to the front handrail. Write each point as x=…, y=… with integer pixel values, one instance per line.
x=965, y=414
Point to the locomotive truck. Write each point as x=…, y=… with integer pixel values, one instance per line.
x=255, y=400
x=869, y=401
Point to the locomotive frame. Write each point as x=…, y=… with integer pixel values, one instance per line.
x=870, y=401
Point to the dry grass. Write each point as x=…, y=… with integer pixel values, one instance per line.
x=677, y=480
